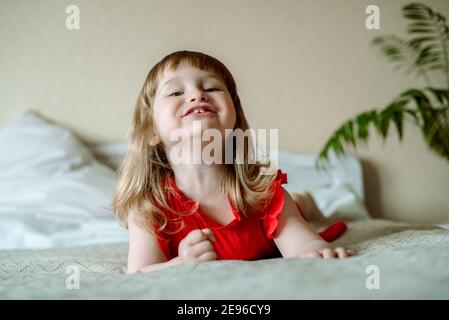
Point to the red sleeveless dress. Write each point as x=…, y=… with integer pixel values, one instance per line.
x=249, y=238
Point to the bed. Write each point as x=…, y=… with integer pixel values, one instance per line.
x=59, y=239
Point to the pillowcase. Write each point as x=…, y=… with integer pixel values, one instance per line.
x=303, y=175
x=52, y=189
x=338, y=189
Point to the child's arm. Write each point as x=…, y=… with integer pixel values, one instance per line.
x=296, y=239
x=144, y=253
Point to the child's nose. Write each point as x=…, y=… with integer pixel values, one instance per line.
x=198, y=95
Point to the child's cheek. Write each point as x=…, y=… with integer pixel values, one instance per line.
x=170, y=129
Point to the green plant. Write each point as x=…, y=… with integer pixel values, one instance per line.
x=428, y=108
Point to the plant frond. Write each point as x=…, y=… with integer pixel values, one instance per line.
x=358, y=129
x=431, y=36
x=401, y=53
x=427, y=50
x=442, y=95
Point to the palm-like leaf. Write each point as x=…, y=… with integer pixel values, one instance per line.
x=400, y=52
x=431, y=35
x=433, y=121
x=427, y=50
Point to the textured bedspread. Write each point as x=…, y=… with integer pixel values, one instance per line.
x=411, y=260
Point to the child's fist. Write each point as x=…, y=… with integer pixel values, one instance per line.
x=197, y=246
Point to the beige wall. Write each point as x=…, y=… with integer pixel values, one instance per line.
x=301, y=66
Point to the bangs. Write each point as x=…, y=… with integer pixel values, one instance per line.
x=197, y=60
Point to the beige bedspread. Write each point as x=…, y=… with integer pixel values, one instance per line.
x=410, y=260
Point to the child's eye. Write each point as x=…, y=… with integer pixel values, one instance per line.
x=177, y=93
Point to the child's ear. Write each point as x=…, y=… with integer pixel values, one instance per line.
x=154, y=141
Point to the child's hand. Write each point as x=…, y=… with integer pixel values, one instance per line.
x=321, y=249
x=328, y=253
x=197, y=246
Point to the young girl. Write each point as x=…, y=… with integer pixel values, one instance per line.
x=180, y=212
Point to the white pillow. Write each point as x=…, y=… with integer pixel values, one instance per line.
x=52, y=190
x=303, y=175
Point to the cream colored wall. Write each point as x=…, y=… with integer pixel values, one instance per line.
x=301, y=66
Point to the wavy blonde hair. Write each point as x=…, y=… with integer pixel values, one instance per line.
x=140, y=188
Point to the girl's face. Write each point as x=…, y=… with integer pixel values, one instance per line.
x=189, y=94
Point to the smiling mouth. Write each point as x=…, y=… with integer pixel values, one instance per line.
x=199, y=111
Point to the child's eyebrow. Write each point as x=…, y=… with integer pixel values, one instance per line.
x=175, y=78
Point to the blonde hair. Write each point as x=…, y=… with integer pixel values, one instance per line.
x=141, y=189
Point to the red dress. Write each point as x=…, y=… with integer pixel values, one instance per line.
x=243, y=238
